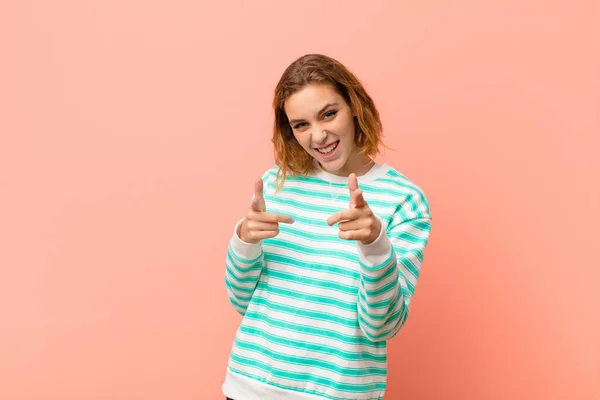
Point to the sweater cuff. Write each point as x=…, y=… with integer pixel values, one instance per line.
x=378, y=252
x=244, y=250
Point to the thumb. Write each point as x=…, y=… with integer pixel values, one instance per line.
x=258, y=201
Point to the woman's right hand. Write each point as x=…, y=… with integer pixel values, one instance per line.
x=259, y=224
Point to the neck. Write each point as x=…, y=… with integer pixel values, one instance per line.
x=359, y=165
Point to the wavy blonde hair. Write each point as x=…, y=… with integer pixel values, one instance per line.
x=290, y=157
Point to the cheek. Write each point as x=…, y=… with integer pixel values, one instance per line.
x=303, y=140
x=345, y=128
x=343, y=120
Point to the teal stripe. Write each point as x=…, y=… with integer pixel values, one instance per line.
x=243, y=279
x=286, y=244
x=241, y=308
x=326, y=268
x=410, y=286
x=302, y=206
x=311, y=330
x=314, y=222
x=408, y=237
x=392, y=328
x=310, y=362
x=410, y=267
x=311, y=180
x=329, y=238
x=377, y=304
x=312, y=346
x=405, y=192
x=383, y=331
x=406, y=187
x=407, y=292
x=318, y=283
x=414, y=197
x=404, y=256
x=239, y=291
x=388, y=304
x=306, y=297
x=344, y=198
x=388, y=287
x=388, y=270
x=422, y=224
x=304, y=313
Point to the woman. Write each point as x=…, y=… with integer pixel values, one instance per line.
x=324, y=265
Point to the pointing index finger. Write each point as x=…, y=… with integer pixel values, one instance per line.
x=352, y=182
x=273, y=217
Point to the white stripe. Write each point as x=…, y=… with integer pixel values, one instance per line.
x=304, y=368
x=392, y=277
x=309, y=289
x=341, y=245
x=234, y=276
x=324, y=355
x=324, y=340
x=300, y=320
x=312, y=307
x=309, y=270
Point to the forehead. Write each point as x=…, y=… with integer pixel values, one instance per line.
x=311, y=99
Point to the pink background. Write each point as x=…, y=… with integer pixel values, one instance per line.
x=131, y=133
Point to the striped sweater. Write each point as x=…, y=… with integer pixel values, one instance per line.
x=317, y=309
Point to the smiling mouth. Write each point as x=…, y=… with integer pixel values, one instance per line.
x=329, y=149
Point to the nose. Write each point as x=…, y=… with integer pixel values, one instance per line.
x=318, y=135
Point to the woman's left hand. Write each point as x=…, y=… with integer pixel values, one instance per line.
x=358, y=222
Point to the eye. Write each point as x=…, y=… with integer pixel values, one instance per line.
x=299, y=125
x=330, y=114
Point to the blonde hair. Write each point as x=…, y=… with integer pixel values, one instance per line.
x=290, y=157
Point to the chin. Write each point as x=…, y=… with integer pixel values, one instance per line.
x=336, y=165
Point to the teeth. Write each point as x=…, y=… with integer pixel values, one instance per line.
x=328, y=149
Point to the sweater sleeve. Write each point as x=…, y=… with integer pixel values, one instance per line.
x=243, y=267
x=390, y=267
x=244, y=264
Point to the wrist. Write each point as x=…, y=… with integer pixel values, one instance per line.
x=243, y=249
x=377, y=252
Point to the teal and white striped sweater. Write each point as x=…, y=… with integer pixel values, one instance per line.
x=318, y=310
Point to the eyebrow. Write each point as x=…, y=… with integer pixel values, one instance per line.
x=293, y=121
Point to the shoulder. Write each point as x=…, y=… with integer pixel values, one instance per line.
x=269, y=178
x=270, y=173
x=410, y=197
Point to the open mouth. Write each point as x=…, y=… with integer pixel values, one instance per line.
x=329, y=149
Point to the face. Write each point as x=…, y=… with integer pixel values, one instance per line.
x=323, y=124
